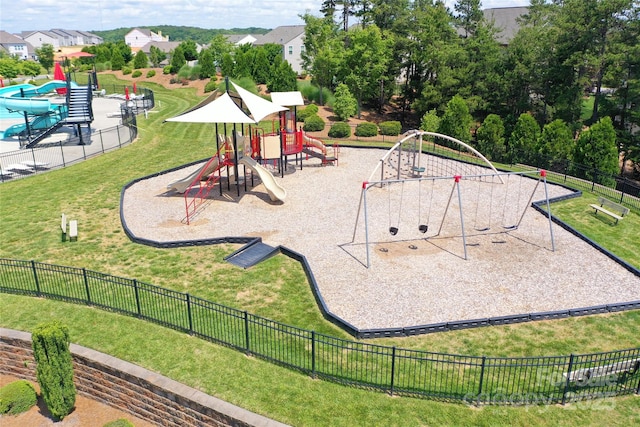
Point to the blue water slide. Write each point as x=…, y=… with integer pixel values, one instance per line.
x=11, y=97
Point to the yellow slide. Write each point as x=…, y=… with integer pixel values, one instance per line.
x=275, y=191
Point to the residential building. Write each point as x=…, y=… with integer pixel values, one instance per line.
x=291, y=38
x=240, y=39
x=59, y=38
x=139, y=37
x=505, y=19
x=15, y=46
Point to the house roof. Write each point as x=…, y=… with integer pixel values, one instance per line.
x=8, y=38
x=505, y=19
x=281, y=35
x=144, y=31
x=235, y=38
x=163, y=46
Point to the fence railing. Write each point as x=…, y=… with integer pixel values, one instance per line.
x=471, y=379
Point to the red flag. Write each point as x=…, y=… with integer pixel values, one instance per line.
x=58, y=74
x=126, y=92
x=1, y=82
x=134, y=88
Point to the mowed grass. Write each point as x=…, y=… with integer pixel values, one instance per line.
x=622, y=239
x=276, y=289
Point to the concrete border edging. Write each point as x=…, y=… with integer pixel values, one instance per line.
x=130, y=388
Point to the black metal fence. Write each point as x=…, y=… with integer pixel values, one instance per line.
x=450, y=377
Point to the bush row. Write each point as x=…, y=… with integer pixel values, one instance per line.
x=314, y=123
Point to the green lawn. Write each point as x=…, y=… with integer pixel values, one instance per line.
x=277, y=289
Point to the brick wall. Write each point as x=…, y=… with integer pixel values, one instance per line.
x=130, y=388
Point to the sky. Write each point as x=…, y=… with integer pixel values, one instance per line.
x=27, y=15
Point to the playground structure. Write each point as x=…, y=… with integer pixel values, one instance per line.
x=415, y=186
x=44, y=115
x=248, y=148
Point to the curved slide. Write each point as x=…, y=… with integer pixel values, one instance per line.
x=181, y=185
x=275, y=191
x=11, y=99
x=315, y=142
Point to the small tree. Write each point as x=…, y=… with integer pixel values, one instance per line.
x=430, y=121
x=208, y=68
x=456, y=121
x=596, y=148
x=177, y=60
x=491, y=137
x=117, y=60
x=45, y=56
x=345, y=105
x=140, y=60
x=556, y=143
x=54, y=368
x=524, y=138
x=227, y=66
x=30, y=68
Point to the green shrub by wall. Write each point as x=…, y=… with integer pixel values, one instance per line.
x=210, y=86
x=390, y=128
x=340, y=130
x=151, y=73
x=366, y=129
x=136, y=73
x=313, y=123
x=126, y=70
x=17, y=397
x=122, y=422
x=54, y=368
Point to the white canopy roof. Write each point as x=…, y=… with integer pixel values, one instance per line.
x=288, y=99
x=258, y=107
x=222, y=110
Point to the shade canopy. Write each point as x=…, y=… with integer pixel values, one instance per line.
x=221, y=110
x=288, y=99
x=258, y=107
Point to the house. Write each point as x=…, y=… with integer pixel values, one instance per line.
x=240, y=39
x=139, y=37
x=60, y=38
x=291, y=38
x=15, y=46
x=505, y=19
x=166, y=47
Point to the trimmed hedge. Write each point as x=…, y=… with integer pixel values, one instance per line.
x=17, y=397
x=306, y=112
x=151, y=73
x=126, y=70
x=366, y=129
x=210, y=86
x=340, y=130
x=390, y=128
x=136, y=73
x=313, y=123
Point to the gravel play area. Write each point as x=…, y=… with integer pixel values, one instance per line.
x=414, y=278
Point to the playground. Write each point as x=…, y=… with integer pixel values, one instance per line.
x=414, y=278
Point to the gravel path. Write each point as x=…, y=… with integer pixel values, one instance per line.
x=414, y=278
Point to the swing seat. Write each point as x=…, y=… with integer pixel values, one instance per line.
x=510, y=227
x=423, y=228
x=393, y=230
x=483, y=229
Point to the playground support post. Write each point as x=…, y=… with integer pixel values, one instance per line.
x=543, y=175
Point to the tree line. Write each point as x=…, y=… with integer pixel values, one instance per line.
x=419, y=54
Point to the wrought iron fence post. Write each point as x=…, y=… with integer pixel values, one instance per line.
x=84, y=152
x=484, y=360
x=35, y=276
x=86, y=285
x=246, y=333
x=568, y=381
x=62, y=154
x=119, y=142
x=393, y=369
x=101, y=140
x=313, y=354
x=135, y=289
x=189, y=314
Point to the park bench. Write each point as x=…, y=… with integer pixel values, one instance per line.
x=73, y=230
x=63, y=226
x=584, y=375
x=610, y=208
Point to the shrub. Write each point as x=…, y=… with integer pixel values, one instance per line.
x=122, y=422
x=344, y=105
x=103, y=66
x=306, y=112
x=340, y=130
x=54, y=367
x=313, y=123
x=390, y=128
x=366, y=129
x=17, y=397
x=151, y=73
x=136, y=73
x=211, y=86
x=126, y=70
x=166, y=70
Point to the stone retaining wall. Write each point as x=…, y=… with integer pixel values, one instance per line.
x=130, y=388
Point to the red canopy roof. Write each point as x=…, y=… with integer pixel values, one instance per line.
x=78, y=55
